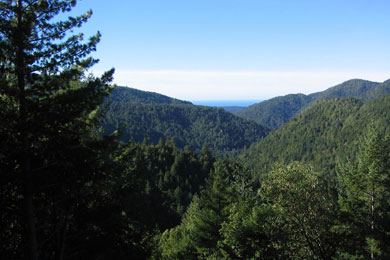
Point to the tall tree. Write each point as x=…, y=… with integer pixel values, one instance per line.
x=49, y=109
x=304, y=210
x=364, y=198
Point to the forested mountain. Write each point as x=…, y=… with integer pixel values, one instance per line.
x=297, y=211
x=131, y=95
x=325, y=133
x=356, y=88
x=145, y=115
x=233, y=109
x=277, y=111
x=67, y=191
x=378, y=90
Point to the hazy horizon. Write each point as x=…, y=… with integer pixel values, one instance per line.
x=225, y=103
x=229, y=49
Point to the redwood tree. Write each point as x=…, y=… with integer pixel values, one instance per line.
x=49, y=107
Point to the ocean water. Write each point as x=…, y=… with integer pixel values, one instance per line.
x=225, y=103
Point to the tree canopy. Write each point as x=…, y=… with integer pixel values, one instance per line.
x=316, y=188
x=49, y=109
x=147, y=115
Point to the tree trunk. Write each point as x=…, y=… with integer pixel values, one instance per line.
x=30, y=230
x=28, y=209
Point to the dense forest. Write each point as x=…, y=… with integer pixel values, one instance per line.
x=150, y=116
x=326, y=133
x=93, y=171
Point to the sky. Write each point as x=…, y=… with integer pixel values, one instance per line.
x=239, y=49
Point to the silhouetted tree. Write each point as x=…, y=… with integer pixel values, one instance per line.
x=49, y=108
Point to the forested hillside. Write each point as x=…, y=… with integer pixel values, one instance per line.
x=154, y=117
x=233, y=109
x=277, y=111
x=292, y=212
x=378, y=90
x=356, y=88
x=316, y=188
x=324, y=134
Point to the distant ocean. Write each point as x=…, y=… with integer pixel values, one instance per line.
x=225, y=103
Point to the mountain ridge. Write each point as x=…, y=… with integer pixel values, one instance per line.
x=139, y=96
x=325, y=133
x=279, y=110
x=151, y=116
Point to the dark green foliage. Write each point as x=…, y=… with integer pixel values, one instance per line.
x=233, y=109
x=249, y=231
x=277, y=111
x=189, y=125
x=51, y=156
x=304, y=211
x=377, y=91
x=199, y=234
x=148, y=192
x=355, y=88
x=364, y=197
x=131, y=95
x=213, y=209
x=289, y=217
x=325, y=134
x=296, y=213
x=67, y=191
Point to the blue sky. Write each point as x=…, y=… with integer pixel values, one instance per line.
x=240, y=49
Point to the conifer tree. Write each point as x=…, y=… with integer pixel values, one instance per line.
x=49, y=107
x=364, y=197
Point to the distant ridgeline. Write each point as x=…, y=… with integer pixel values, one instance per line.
x=125, y=94
x=276, y=111
x=151, y=116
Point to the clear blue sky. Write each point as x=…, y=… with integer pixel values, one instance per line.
x=240, y=49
